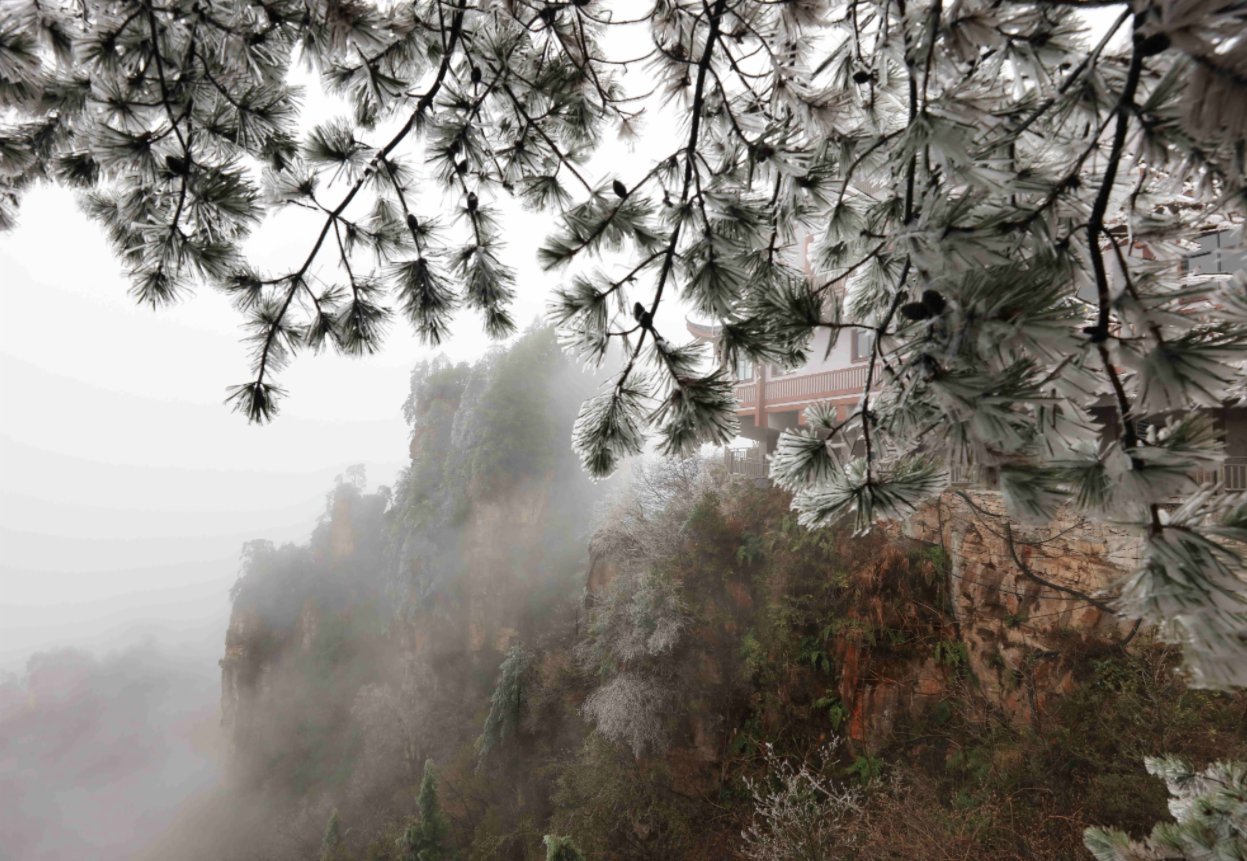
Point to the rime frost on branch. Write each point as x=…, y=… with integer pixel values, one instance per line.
x=629, y=710
x=799, y=812
x=1210, y=812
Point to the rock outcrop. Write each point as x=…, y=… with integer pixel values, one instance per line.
x=1025, y=601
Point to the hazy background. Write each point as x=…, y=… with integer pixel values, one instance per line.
x=126, y=492
x=127, y=489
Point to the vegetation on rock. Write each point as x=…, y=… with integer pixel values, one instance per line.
x=743, y=645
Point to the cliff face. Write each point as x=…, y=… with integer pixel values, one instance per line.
x=502, y=537
x=1027, y=602
x=625, y=676
x=655, y=670
x=353, y=659
x=432, y=645
x=1007, y=615
x=870, y=638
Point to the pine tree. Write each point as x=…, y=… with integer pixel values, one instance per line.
x=506, y=701
x=1210, y=812
x=331, y=848
x=561, y=849
x=1000, y=196
x=425, y=840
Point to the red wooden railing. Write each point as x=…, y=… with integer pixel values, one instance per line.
x=803, y=388
x=747, y=394
x=811, y=387
x=1232, y=474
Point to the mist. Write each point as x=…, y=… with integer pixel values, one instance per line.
x=98, y=752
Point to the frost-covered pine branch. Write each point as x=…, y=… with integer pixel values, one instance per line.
x=1210, y=812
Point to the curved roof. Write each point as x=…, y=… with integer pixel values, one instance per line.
x=702, y=331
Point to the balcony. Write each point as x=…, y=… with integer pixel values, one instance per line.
x=801, y=389
x=751, y=463
x=1232, y=475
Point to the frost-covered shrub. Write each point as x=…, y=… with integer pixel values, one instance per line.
x=632, y=628
x=561, y=849
x=645, y=522
x=635, y=624
x=629, y=710
x=800, y=814
x=640, y=616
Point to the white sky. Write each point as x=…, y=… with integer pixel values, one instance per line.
x=126, y=487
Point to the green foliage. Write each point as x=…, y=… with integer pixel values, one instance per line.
x=561, y=849
x=938, y=557
x=952, y=655
x=331, y=848
x=426, y=838
x=971, y=763
x=812, y=653
x=748, y=738
x=753, y=655
x=752, y=549
x=866, y=768
x=617, y=808
x=837, y=712
x=506, y=702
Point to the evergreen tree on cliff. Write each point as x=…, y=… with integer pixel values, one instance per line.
x=426, y=840
x=1000, y=195
x=331, y=848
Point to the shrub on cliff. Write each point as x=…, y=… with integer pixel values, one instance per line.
x=331, y=845
x=800, y=811
x=631, y=710
x=426, y=838
x=506, y=702
x=561, y=849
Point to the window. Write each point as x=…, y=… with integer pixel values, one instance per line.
x=862, y=344
x=1220, y=252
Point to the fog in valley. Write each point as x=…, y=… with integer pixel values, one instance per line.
x=98, y=753
x=126, y=495
x=129, y=497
